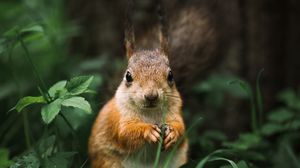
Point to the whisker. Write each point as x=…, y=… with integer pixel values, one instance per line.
x=172, y=96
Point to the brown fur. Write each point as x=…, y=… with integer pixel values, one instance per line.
x=124, y=128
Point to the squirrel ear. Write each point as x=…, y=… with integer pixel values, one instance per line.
x=129, y=47
x=163, y=28
x=164, y=43
x=129, y=30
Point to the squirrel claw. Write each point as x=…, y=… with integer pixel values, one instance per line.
x=152, y=135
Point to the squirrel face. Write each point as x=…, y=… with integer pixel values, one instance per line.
x=148, y=81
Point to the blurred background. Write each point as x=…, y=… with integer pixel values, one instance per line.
x=236, y=64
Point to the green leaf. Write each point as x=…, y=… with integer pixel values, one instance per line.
x=290, y=98
x=26, y=101
x=280, y=115
x=29, y=160
x=270, y=129
x=78, y=85
x=59, y=160
x=33, y=29
x=286, y=95
x=59, y=86
x=4, y=158
x=31, y=33
x=293, y=125
x=244, y=142
x=11, y=32
x=50, y=111
x=251, y=155
x=46, y=146
x=214, y=135
x=78, y=102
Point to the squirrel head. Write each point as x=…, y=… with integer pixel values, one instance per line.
x=148, y=82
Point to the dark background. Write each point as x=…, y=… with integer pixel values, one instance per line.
x=212, y=44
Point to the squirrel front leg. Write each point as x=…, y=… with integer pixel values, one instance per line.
x=174, y=130
x=134, y=133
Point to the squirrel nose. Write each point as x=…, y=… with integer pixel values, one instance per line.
x=152, y=97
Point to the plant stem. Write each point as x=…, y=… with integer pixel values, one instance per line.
x=158, y=152
x=76, y=145
x=40, y=82
x=172, y=153
x=253, y=113
x=259, y=99
x=26, y=129
x=67, y=122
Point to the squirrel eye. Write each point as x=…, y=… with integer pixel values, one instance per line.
x=170, y=77
x=128, y=77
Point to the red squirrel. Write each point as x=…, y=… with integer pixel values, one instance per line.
x=128, y=128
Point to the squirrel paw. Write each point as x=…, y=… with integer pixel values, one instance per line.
x=152, y=134
x=171, y=137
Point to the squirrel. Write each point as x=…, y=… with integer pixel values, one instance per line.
x=146, y=105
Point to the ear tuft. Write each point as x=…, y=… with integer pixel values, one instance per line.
x=129, y=47
x=163, y=28
x=129, y=30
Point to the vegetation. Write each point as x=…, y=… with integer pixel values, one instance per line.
x=49, y=99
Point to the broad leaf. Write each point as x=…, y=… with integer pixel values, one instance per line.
x=78, y=85
x=244, y=142
x=50, y=111
x=270, y=129
x=280, y=115
x=286, y=96
x=11, y=33
x=33, y=29
x=293, y=125
x=32, y=32
x=46, y=146
x=53, y=91
x=78, y=102
x=290, y=98
x=26, y=101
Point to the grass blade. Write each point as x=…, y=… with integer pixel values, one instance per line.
x=170, y=156
x=208, y=157
x=232, y=163
x=259, y=99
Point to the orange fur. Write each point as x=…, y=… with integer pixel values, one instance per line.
x=127, y=128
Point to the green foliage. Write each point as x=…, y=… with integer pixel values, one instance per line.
x=290, y=98
x=62, y=93
x=214, y=157
x=78, y=102
x=50, y=111
x=34, y=45
x=4, y=160
x=79, y=85
x=29, y=160
x=28, y=100
x=44, y=155
x=244, y=142
x=274, y=137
